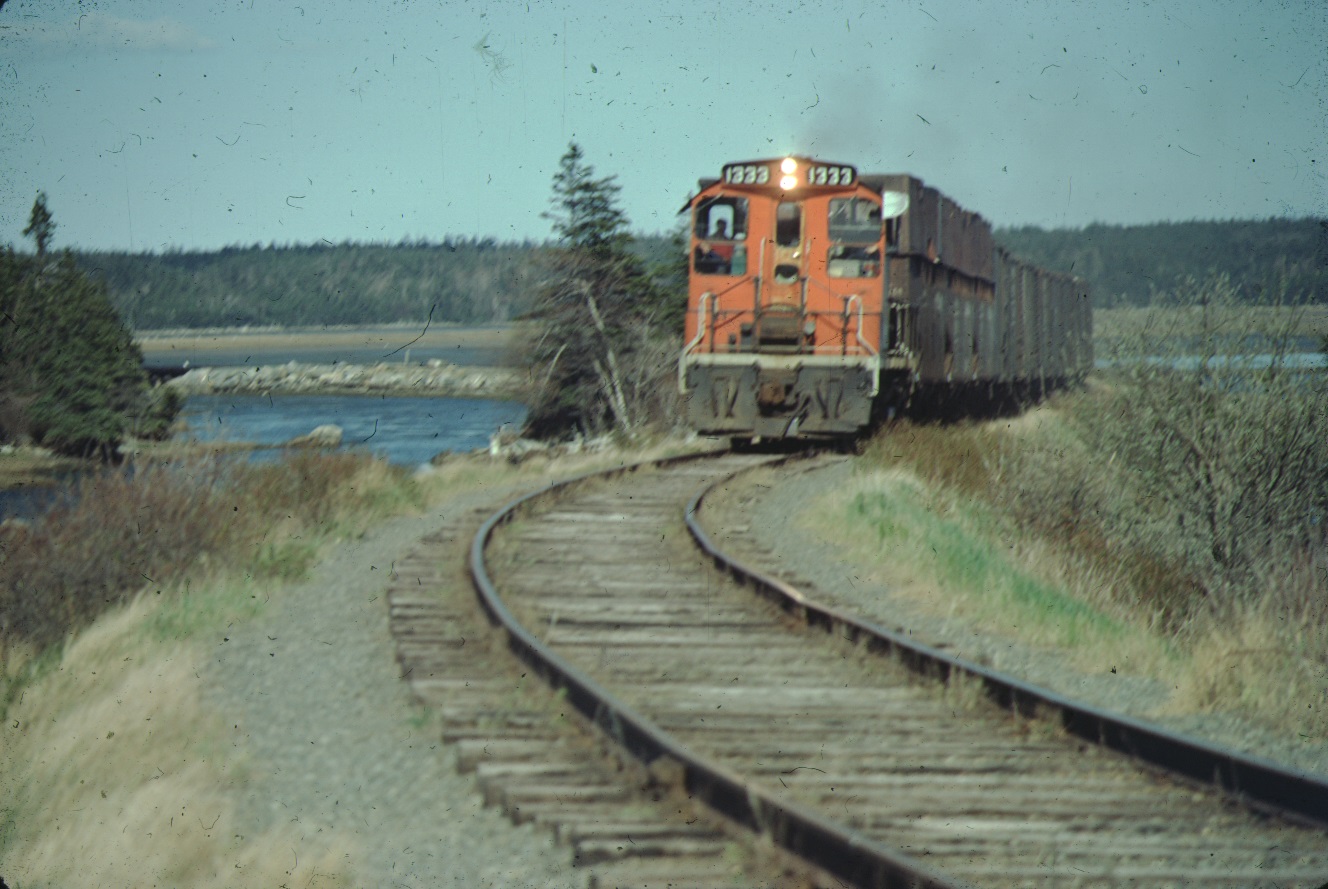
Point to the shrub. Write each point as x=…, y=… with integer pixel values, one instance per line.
x=1189, y=481
x=1217, y=444
x=157, y=414
x=119, y=531
x=113, y=533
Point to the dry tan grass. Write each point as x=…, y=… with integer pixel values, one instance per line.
x=1260, y=663
x=1224, y=658
x=1055, y=504
x=1036, y=420
x=114, y=774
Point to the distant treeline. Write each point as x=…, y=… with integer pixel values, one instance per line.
x=476, y=281
x=463, y=281
x=1127, y=265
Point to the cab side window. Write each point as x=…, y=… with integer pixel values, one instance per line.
x=720, y=228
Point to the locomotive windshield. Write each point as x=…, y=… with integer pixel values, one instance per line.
x=855, y=231
x=855, y=221
x=853, y=261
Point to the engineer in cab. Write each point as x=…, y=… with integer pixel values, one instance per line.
x=714, y=254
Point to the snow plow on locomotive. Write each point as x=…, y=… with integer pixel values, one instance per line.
x=820, y=300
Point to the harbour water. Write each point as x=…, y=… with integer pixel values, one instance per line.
x=403, y=431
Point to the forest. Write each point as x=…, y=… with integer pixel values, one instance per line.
x=1129, y=265
x=476, y=281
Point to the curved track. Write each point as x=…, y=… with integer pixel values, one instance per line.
x=845, y=758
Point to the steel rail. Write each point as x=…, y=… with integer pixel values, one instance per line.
x=849, y=855
x=1257, y=783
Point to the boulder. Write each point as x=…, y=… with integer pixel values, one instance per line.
x=326, y=436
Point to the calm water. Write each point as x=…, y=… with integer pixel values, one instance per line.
x=404, y=431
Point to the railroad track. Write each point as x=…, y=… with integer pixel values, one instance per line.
x=538, y=760
x=845, y=758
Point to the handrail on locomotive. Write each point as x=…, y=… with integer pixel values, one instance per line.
x=706, y=298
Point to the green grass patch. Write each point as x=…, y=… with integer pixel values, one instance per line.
x=287, y=560
x=191, y=612
x=23, y=668
x=964, y=556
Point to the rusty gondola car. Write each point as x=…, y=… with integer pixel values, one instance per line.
x=821, y=300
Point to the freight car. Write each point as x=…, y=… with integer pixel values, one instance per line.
x=821, y=300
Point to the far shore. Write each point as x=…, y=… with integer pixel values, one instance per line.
x=33, y=467
x=431, y=379
x=389, y=359
x=283, y=343
x=1306, y=322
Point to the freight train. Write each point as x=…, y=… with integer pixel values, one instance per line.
x=822, y=300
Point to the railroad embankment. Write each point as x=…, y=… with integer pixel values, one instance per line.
x=435, y=378
x=1049, y=533
x=154, y=600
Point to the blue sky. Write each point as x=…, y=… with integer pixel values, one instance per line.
x=155, y=125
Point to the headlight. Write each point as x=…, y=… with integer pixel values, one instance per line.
x=788, y=166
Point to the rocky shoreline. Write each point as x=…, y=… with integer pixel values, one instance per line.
x=434, y=378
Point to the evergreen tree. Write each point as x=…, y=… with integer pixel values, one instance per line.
x=670, y=273
x=71, y=376
x=40, y=227
x=595, y=356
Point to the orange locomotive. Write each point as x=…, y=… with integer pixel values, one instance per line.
x=821, y=299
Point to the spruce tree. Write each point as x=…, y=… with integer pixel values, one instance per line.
x=71, y=376
x=40, y=227
x=591, y=357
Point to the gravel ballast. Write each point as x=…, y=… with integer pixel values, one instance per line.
x=334, y=744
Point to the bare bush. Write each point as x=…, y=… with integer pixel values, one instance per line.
x=1216, y=442
x=118, y=532
x=113, y=532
